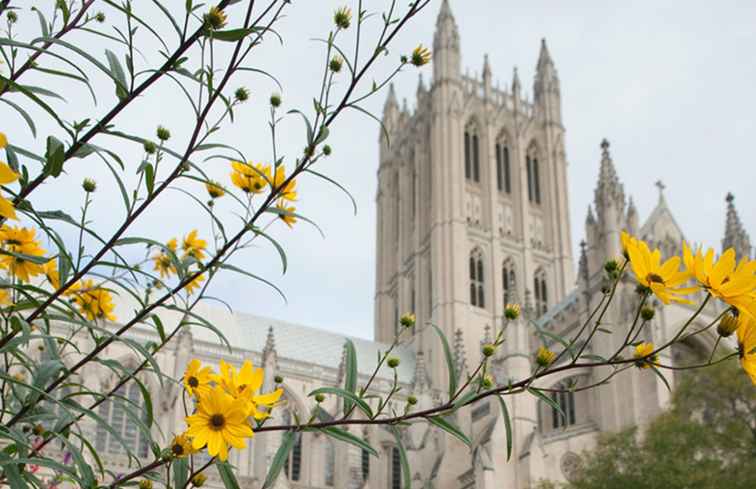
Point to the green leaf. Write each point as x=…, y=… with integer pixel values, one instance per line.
x=449, y=361
x=280, y=458
x=539, y=394
x=180, y=472
x=337, y=184
x=507, y=425
x=118, y=74
x=227, y=475
x=233, y=268
x=278, y=247
x=406, y=474
x=38, y=260
x=347, y=437
x=55, y=156
x=232, y=35
x=349, y=396
x=661, y=376
x=450, y=428
x=11, y=471
x=350, y=377
x=27, y=118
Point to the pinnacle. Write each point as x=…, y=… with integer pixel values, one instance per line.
x=735, y=234
x=609, y=189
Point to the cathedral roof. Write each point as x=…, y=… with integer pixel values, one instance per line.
x=306, y=344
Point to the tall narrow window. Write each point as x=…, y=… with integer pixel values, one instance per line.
x=365, y=464
x=540, y=291
x=508, y=279
x=330, y=463
x=472, y=153
x=534, y=177
x=396, y=469
x=503, y=175
x=565, y=399
x=118, y=414
x=293, y=465
x=477, y=281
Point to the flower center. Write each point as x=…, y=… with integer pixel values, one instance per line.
x=193, y=382
x=652, y=277
x=177, y=449
x=242, y=387
x=217, y=421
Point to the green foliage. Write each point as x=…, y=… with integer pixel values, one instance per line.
x=706, y=441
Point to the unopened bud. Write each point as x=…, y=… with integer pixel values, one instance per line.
x=275, y=100
x=728, y=325
x=488, y=350
x=411, y=400
x=89, y=185
x=648, y=313
x=407, y=320
x=278, y=379
x=392, y=362
x=319, y=398
x=512, y=311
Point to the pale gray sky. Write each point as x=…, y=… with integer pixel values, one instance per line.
x=671, y=86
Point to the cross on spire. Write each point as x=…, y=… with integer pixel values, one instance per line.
x=660, y=185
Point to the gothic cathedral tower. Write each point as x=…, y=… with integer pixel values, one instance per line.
x=472, y=202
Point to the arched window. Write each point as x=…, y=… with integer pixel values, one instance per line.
x=534, y=178
x=330, y=463
x=118, y=412
x=293, y=465
x=472, y=153
x=573, y=402
x=477, y=281
x=508, y=280
x=503, y=171
x=541, y=292
x=365, y=464
x=395, y=469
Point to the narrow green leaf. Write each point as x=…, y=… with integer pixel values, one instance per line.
x=539, y=394
x=406, y=474
x=350, y=377
x=55, y=155
x=231, y=35
x=180, y=472
x=347, y=396
x=227, y=475
x=118, y=74
x=449, y=361
x=347, y=437
x=450, y=428
x=661, y=376
x=507, y=425
x=27, y=118
x=279, y=459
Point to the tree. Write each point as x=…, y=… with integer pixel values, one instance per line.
x=706, y=440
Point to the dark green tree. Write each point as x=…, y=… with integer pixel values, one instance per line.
x=707, y=440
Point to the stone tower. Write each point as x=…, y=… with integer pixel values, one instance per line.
x=472, y=200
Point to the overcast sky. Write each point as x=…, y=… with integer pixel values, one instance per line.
x=670, y=84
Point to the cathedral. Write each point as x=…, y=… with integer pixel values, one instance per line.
x=472, y=213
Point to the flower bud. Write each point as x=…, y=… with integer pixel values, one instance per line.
x=215, y=18
x=343, y=18
x=544, y=356
x=327, y=150
x=487, y=381
x=149, y=147
x=89, y=185
x=278, y=379
x=241, y=94
x=512, y=311
x=728, y=325
x=12, y=17
x=392, y=362
x=275, y=100
x=100, y=17
x=611, y=266
x=488, y=350
x=335, y=64
x=145, y=484
x=38, y=430
x=163, y=134
x=407, y=320
x=647, y=313
x=411, y=400
x=319, y=398
x=199, y=480
x=214, y=189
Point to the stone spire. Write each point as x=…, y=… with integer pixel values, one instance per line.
x=390, y=111
x=270, y=343
x=420, y=85
x=446, y=54
x=583, y=273
x=609, y=190
x=632, y=217
x=735, y=235
x=420, y=380
x=487, y=77
x=590, y=219
x=460, y=357
x=546, y=78
x=516, y=85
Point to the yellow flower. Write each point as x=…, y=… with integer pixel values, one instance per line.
x=194, y=246
x=220, y=421
x=51, y=272
x=288, y=191
x=163, y=265
x=3, y=140
x=22, y=241
x=94, y=302
x=747, y=347
x=284, y=213
x=243, y=385
x=216, y=18
x=194, y=284
x=181, y=446
x=544, y=356
x=420, y=56
x=642, y=358
x=215, y=190
x=343, y=17
x=5, y=298
x=734, y=284
x=197, y=378
x=7, y=175
x=512, y=311
x=661, y=279
x=251, y=179
x=172, y=244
